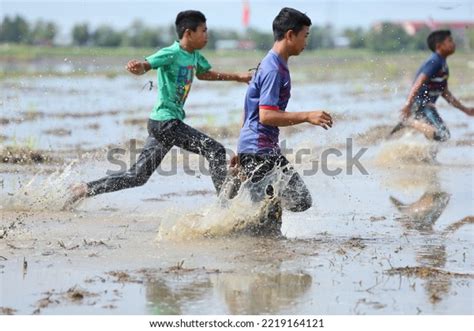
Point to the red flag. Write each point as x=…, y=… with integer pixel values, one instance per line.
x=245, y=13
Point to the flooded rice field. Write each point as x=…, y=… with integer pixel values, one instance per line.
x=392, y=236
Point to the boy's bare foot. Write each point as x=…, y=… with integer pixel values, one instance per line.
x=76, y=192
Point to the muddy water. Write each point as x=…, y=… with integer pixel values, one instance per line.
x=395, y=240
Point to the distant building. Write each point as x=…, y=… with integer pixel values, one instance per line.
x=412, y=27
x=459, y=29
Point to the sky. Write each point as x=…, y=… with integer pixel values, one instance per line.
x=226, y=14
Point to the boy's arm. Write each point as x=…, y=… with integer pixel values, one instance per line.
x=406, y=110
x=214, y=75
x=282, y=118
x=456, y=103
x=138, y=67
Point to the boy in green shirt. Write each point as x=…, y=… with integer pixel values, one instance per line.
x=176, y=66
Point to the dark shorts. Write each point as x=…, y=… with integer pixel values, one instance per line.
x=294, y=195
x=429, y=115
x=274, y=184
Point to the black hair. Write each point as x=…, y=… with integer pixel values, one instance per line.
x=437, y=37
x=188, y=19
x=289, y=19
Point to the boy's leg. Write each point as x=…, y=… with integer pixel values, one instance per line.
x=428, y=121
x=197, y=142
x=425, y=128
x=295, y=196
x=255, y=168
x=157, y=145
x=441, y=130
x=149, y=159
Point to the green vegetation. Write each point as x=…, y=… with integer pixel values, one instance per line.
x=29, y=52
x=383, y=37
x=311, y=66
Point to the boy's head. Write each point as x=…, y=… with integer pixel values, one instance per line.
x=191, y=24
x=442, y=42
x=293, y=26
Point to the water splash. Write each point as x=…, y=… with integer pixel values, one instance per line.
x=224, y=217
x=410, y=148
x=40, y=194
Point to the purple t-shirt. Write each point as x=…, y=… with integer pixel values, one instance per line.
x=269, y=89
x=436, y=68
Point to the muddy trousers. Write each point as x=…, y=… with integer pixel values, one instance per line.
x=163, y=135
x=294, y=196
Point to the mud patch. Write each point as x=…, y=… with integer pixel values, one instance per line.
x=123, y=277
x=457, y=225
x=426, y=272
x=77, y=293
x=24, y=155
x=135, y=121
x=74, y=295
x=58, y=132
x=465, y=142
x=7, y=311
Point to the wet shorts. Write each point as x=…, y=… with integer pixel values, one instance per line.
x=429, y=115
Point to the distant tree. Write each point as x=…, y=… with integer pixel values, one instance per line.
x=211, y=39
x=80, y=34
x=138, y=35
x=461, y=38
x=14, y=30
x=263, y=40
x=43, y=33
x=105, y=36
x=419, y=39
x=321, y=37
x=170, y=34
x=388, y=37
x=357, y=37
x=470, y=38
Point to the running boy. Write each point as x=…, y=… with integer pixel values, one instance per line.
x=265, y=103
x=431, y=81
x=176, y=66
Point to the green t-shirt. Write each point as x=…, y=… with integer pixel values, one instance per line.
x=176, y=68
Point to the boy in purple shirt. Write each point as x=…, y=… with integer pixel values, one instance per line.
x=265, y=104
x=431, y=81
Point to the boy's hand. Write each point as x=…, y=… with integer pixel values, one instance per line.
x=244, y=77
x=234, y=161
x=320, y=118
x=136, y=67
x=405, y=113
x=469, y=111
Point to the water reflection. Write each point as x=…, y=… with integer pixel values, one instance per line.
x=257, y=277
x=250, y=293
x=262, y=293
x=165, y=299
x=419, y=219
x=424, y=212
